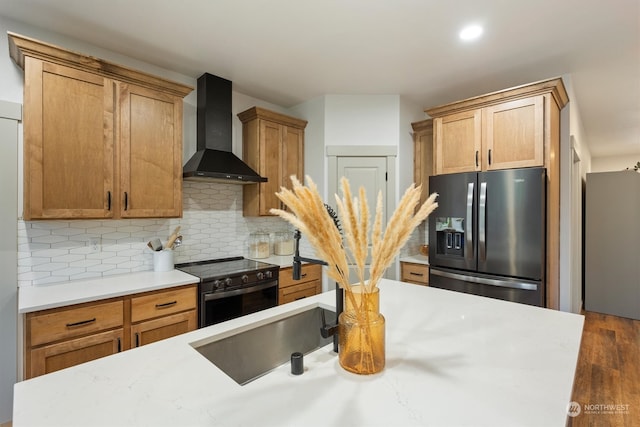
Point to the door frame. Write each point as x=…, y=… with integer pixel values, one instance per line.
x=390, y=152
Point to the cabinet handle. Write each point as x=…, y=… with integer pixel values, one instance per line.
x=299, y=298
x=108, y=200
x=489, y=155
x=416, y=274
x=81, y=323
x=476, y=158
x=303, y=275
x=166, y=304
x=137, y=339
x=119, y=346
x=126, y=201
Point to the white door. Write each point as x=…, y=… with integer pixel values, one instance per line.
x=367, y=172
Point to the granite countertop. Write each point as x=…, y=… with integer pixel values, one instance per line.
x=42, y=297
x=451, y=359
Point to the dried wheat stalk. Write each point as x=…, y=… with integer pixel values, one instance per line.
x=310, y=216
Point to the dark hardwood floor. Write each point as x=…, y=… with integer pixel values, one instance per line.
x=607, y=382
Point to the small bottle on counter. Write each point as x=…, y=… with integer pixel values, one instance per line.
x=259, y=245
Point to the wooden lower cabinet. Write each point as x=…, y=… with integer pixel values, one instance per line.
x=53, y=357
x=63, y=337
x=310, y=283
x=417, y=274
x=163, y=327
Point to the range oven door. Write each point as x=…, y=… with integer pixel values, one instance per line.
x=216, y=307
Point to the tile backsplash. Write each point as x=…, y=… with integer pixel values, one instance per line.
x=212, y=226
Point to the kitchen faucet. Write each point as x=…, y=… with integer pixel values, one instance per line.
x=326, y=330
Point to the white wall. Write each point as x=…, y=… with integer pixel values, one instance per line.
x=575, y=161
x=314, y=140
x=613, y=163
x=10, y=114
x=362, y=119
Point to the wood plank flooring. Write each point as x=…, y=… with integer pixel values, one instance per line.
x=608, y=372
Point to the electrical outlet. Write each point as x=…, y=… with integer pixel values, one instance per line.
x=95, y=243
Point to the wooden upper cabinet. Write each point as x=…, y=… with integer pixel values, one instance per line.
x=100, y=140
x=500, y=130
x=273, y=146
x=514, y=134
x=457, y=142
x=422, y=155
x=68, y=142
x=151, y=153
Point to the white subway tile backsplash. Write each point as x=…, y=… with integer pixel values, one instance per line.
x=212, y=226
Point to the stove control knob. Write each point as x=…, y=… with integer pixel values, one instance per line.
x=260, y=275
x=245, y=278
x=268, y=274
x=217, y=284
x=227, y=282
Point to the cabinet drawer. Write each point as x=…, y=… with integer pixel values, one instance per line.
x=296, y=292
x=309, y=272
x=163, y=303
x=46, y=327
x=416, y=273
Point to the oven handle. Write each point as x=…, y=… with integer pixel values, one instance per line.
x=224, y=294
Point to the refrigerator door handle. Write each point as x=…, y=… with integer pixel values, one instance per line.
x=468, y=232
x=485, y=281
x=482, y=222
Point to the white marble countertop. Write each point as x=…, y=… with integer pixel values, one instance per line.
x=42, y=297
x=416, y=259
x=280, y=260
x=451, y=359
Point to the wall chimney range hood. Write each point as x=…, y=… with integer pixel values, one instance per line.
x=213, y=160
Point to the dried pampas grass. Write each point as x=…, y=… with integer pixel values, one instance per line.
x=309, y=215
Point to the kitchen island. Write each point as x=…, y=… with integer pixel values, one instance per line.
x=452, y=359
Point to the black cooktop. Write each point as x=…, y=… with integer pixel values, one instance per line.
x=224, y=267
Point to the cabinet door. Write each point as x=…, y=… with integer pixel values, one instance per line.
x=68, y=142
x=271, y=136
x=163, y=327
x=292, y=155
x=423, y=161
x=150, y=153
x=514, y=134
x=457, y=142
x=53, y=357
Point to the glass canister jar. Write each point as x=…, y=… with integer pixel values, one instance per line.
x=283, y=243
x=259, y=245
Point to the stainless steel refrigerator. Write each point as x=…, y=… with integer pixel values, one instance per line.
x=487, y=236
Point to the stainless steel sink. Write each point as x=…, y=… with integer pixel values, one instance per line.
x=252, y=353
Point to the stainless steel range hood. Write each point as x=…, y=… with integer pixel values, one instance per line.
x=214, y=160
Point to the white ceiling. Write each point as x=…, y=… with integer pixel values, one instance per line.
x=290, y=51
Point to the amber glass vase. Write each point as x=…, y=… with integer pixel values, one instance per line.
x=362, y=332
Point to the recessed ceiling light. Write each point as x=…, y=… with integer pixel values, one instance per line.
x=470, y=32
